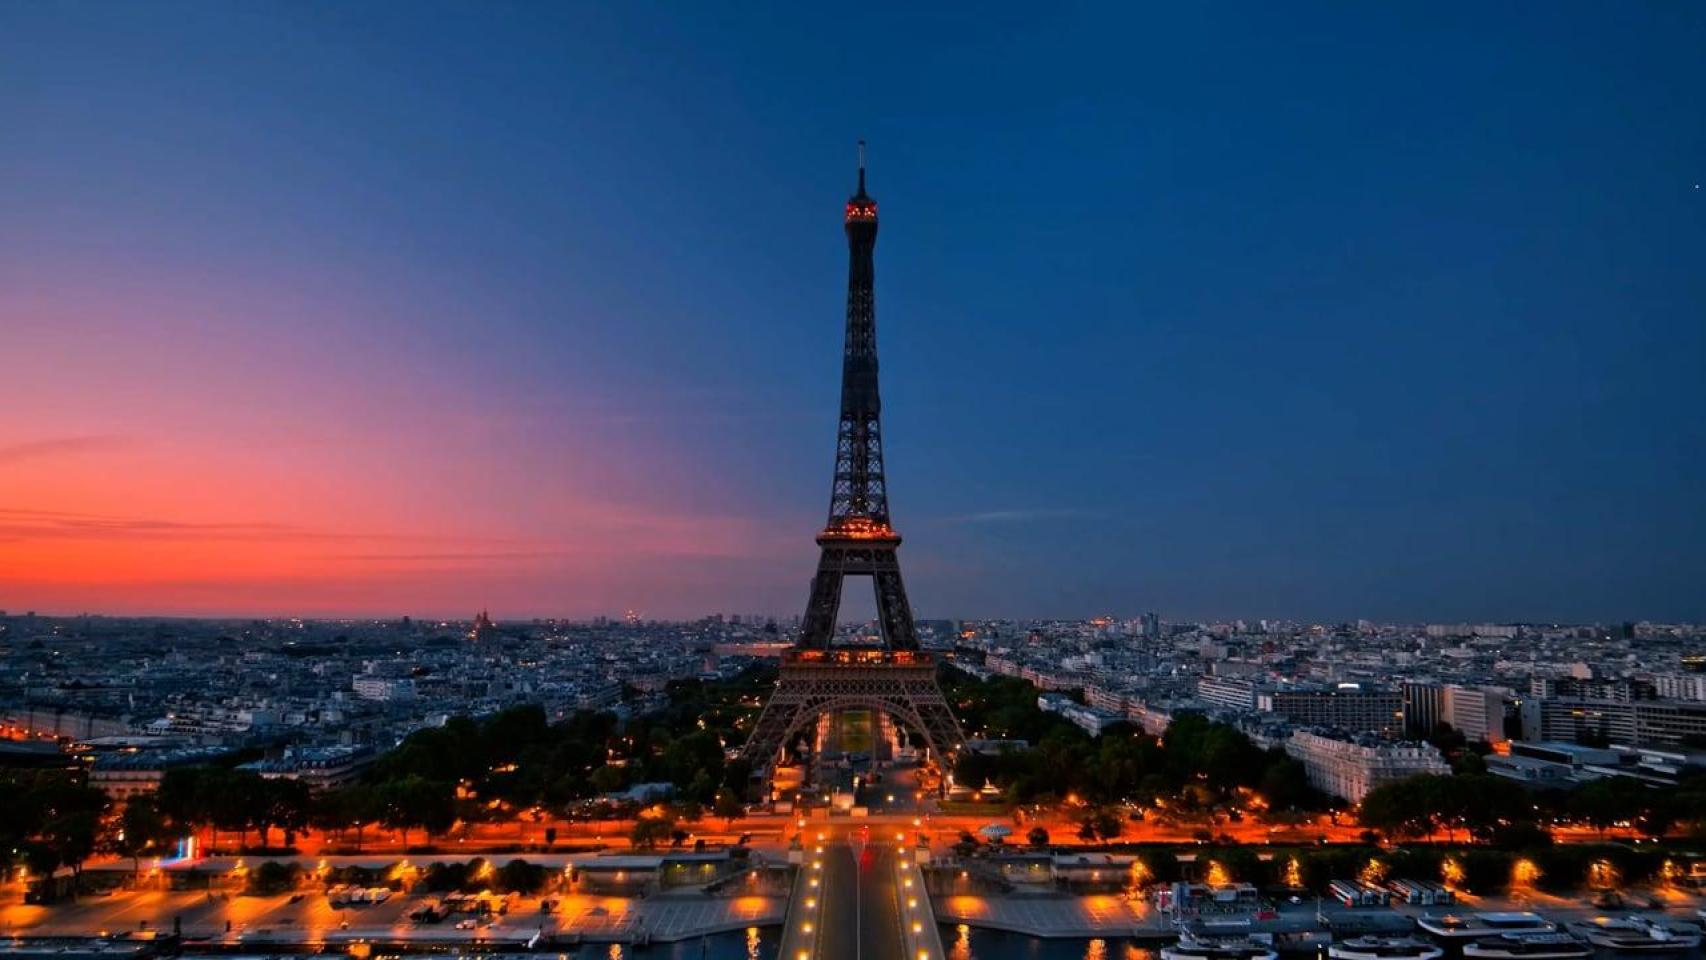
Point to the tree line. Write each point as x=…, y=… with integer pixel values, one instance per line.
x=1494, y=810
x=1200, y=767
x=493, y=769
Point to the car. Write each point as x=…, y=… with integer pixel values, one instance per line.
x=467, y=924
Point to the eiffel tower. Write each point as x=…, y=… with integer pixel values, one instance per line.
x=893, y=677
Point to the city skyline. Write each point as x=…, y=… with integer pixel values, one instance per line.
x=330, y=314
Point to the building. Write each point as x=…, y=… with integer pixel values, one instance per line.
x=1106, y=698
x=1680, y=686
x=1589, y=689
x=1346, y=706
x=1446, y=630
x=1228, y=693
x=383, y=689
x=1577, y=719
x=51, y=722
x=1424, y=708
x=1089, y=719
x=127, y=774
x=1351, y=768
x=1476, y=712
x=322, y=768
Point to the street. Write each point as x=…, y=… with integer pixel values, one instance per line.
x=863, y=910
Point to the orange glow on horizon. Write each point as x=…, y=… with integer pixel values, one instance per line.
x=239, y=477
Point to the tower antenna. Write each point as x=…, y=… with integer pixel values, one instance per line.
x=861, y=166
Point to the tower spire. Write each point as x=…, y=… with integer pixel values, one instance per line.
x=861, y=168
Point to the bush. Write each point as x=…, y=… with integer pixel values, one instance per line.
x=1163, y=864
x=449, y=877
x=360, y=876
x=272, y=877
x=519, y=876
x=1486, y=871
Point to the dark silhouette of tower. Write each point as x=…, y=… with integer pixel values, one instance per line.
x=859, y=540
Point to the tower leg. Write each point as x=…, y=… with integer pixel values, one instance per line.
x=817, y=629
x=893, y=612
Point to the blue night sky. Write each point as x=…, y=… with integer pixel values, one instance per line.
x=1286, y=310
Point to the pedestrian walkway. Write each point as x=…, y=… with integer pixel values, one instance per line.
x=1092, y=916
x=923, y=937
x=283, y=920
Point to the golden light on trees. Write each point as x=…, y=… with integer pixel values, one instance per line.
x=1217, y=875
x=1525, y=873
x=1602, y=875
x=1140, y=873
x=1373, y=872
x=1294, y=874
x=1451, y=871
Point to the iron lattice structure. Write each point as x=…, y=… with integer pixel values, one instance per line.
x=858, y=540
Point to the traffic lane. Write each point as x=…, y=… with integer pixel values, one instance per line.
x=839, y=935
x=862, y=912
x=879, y=898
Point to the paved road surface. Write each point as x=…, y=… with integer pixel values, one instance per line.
x=863, y=918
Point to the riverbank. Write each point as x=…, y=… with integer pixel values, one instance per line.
x=1068, y=916
x=284, y=921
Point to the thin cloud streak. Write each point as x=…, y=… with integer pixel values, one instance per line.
x=60, y=446
x=25, y=524
x=1022, y=516
x=601, y=530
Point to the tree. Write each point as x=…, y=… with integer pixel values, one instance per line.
x=1217, y=754
x=649, y=830
x=1037, y=836
x=71, y=836
x=728, y=806
x=1401, y=810
x=1604, y=803
x=687, y=758
x=1468, y=763
x=1285, y=784
x=1487, y=806
x=232, y=800
x=272, y=876
x=519, y=876
x=703, y=789
x=355, y=805
x=141, y=828
x=66, y=817
x=415, y=801
x=609, y=779
x=1447, y=738
x=1100, y=823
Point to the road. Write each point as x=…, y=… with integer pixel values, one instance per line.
x=863, y=915
x=862, y=911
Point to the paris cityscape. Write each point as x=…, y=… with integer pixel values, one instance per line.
x=421, y=417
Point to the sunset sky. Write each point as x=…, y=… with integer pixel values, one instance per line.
x=1230, y=310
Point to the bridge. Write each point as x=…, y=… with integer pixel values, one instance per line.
x=860, y=893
